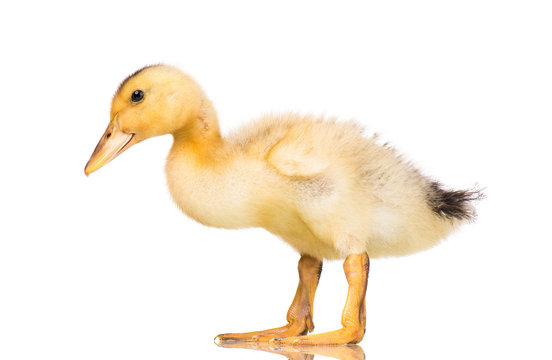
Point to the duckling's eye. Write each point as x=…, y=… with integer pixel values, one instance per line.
x=137, y=96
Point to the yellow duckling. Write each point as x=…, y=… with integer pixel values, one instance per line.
x=319, y=185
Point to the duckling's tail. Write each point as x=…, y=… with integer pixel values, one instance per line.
x=453, y=204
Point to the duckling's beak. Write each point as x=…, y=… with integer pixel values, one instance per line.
x=112, y=143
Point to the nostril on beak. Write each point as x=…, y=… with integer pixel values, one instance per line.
x=108, y=136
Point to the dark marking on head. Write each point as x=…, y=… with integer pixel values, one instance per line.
x=453, y=204
x=133, y=75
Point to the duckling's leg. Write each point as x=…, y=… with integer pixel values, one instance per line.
x=299, y=315
x=354, y=314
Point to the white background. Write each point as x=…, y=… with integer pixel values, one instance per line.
x=106, y=267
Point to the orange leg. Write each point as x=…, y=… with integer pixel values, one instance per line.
x=299, y=315
x=354, y=314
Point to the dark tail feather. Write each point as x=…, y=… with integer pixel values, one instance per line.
x=453, y=204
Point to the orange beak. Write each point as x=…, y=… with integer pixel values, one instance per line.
x=111, y=145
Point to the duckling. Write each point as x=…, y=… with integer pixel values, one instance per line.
x=317, y=184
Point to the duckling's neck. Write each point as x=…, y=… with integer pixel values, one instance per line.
x=201, y=141
x=200, y=176
x=201, y=151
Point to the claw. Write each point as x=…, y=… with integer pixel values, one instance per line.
x=218, y=340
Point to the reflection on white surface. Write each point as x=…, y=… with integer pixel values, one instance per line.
x=304, y=352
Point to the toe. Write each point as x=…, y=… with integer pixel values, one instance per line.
x=219, y=339
x=275, y=341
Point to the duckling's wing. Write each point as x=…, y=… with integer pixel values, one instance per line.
x=292, y=156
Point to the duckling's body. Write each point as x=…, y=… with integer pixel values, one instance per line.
x=320, y=185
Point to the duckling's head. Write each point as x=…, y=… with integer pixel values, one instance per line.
x=155, y=100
